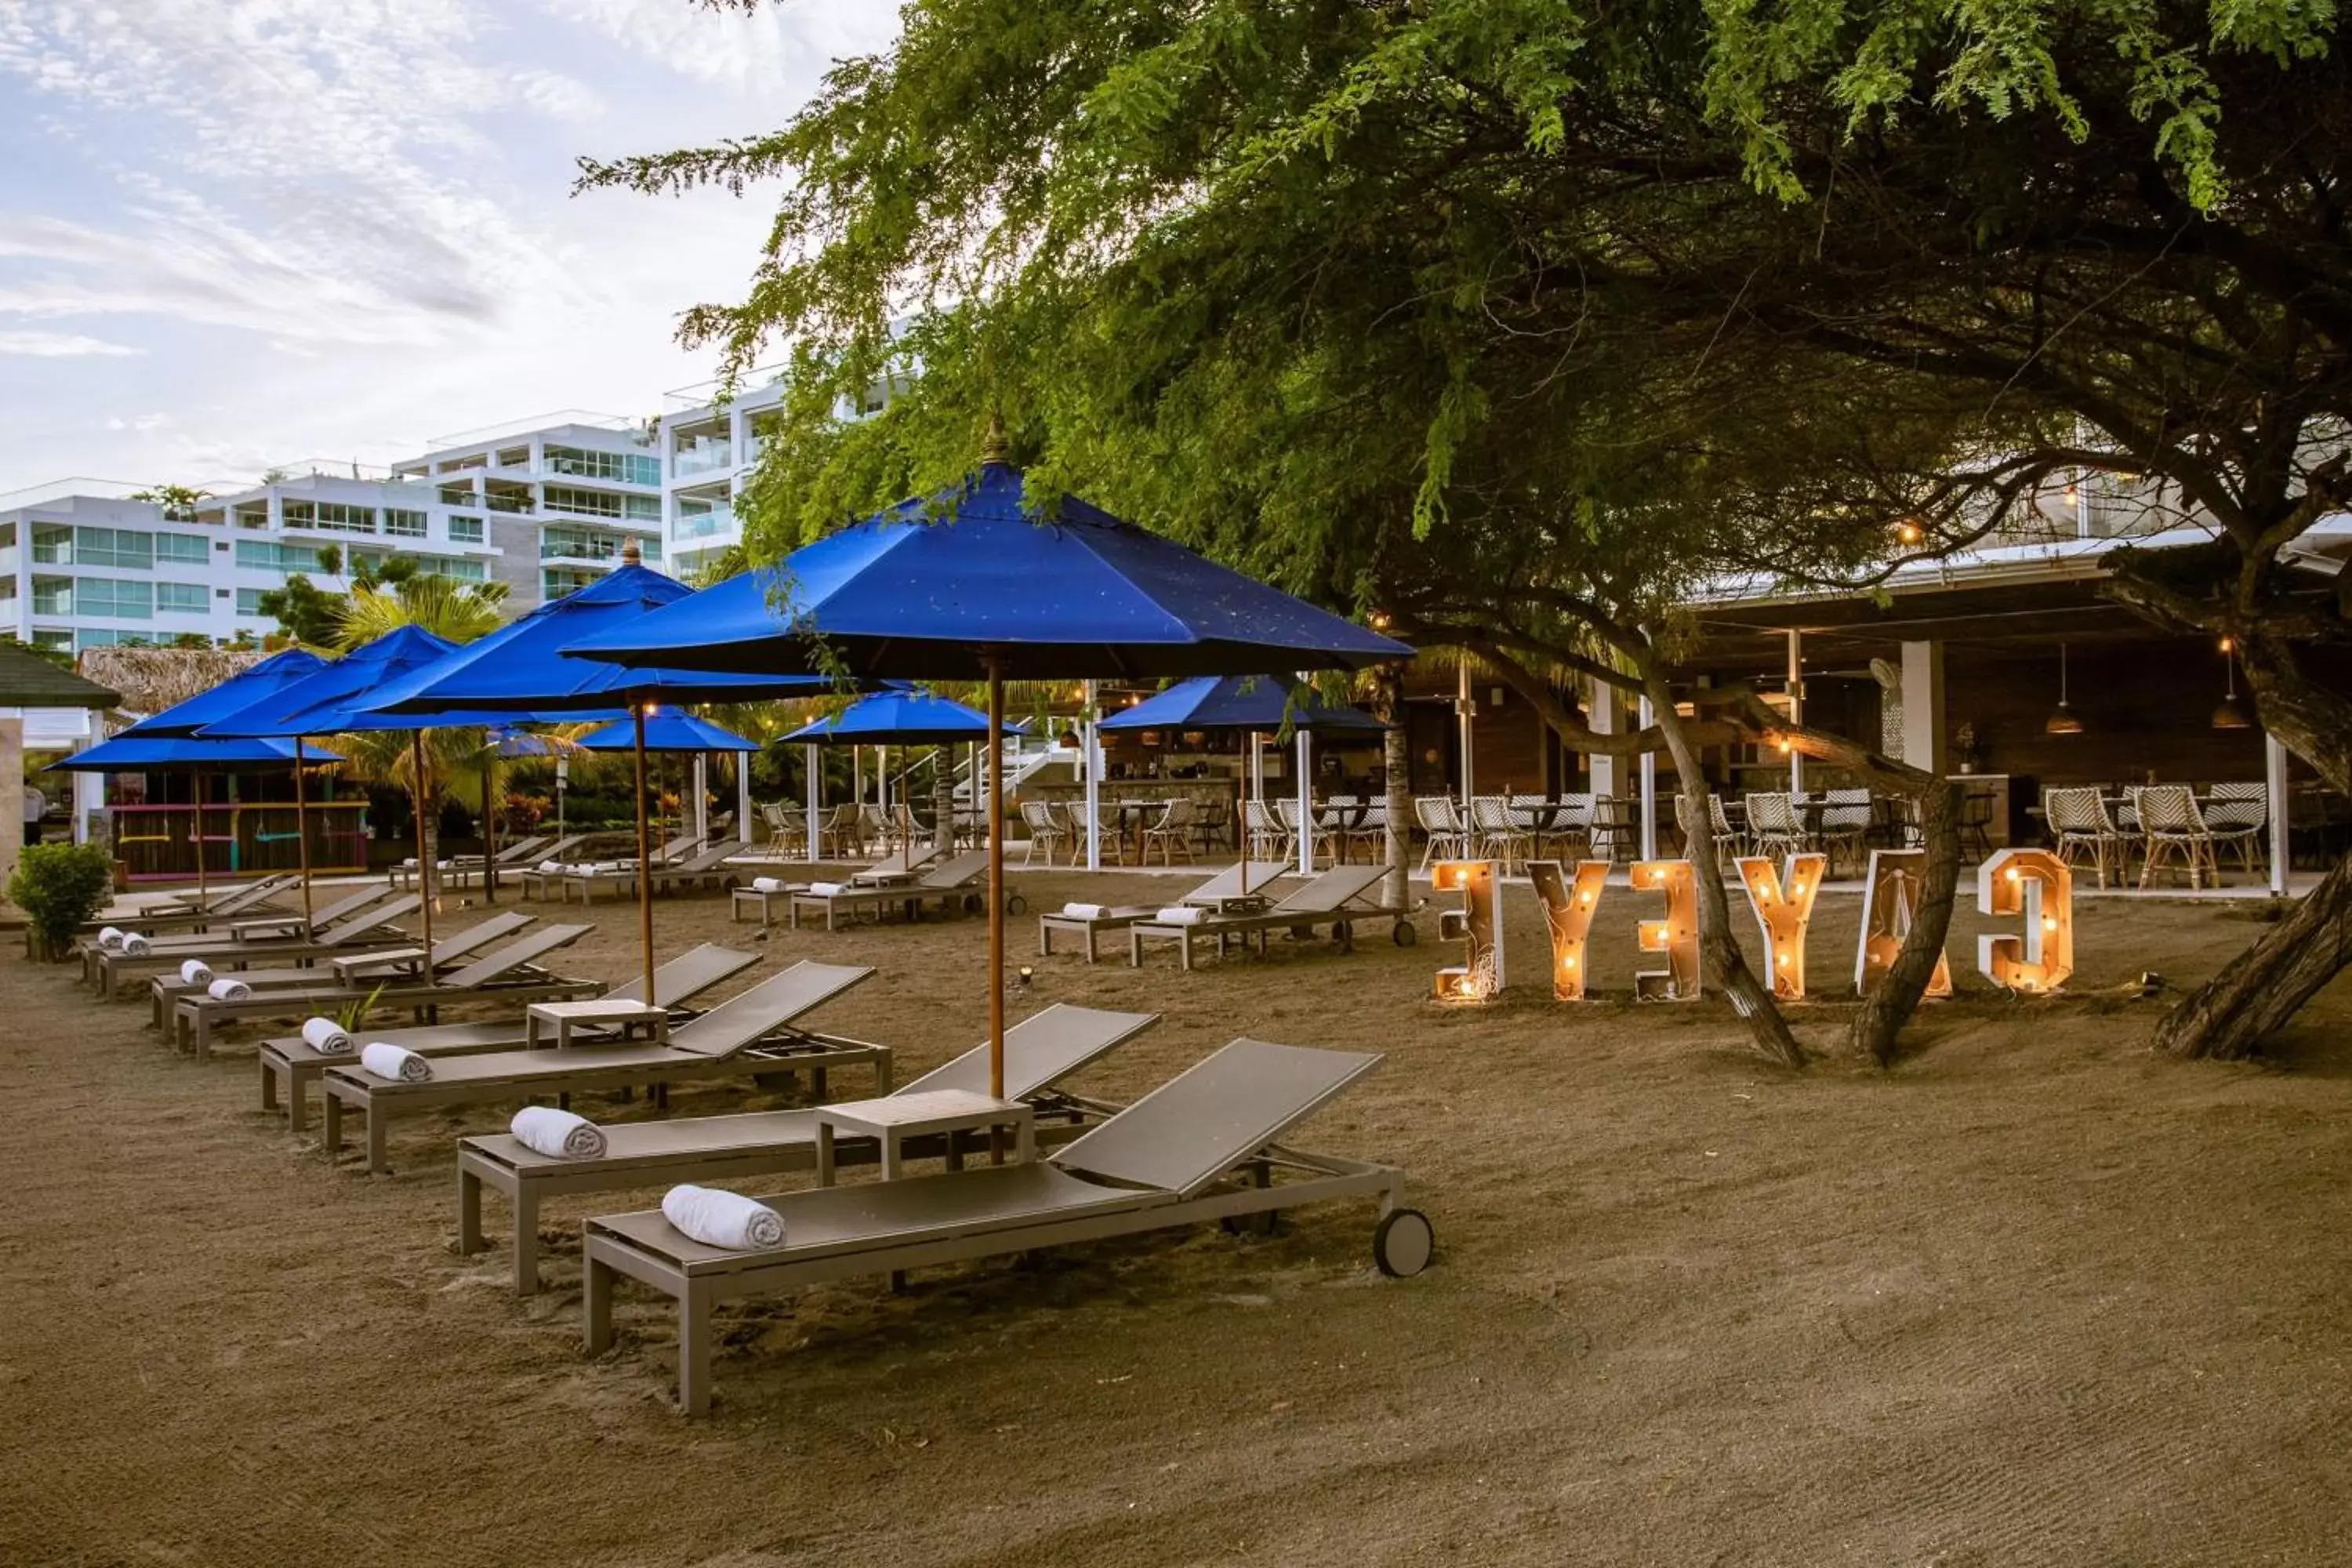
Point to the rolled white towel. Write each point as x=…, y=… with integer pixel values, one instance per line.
x=326, y=1036
x=396, y=1062
x=558, y=1134
x=229, y=988
x=716, y=1218
x=196, y=972
x=110, y=938
x=828, y=890
x=551, y=865
x=135, y=944
x=1085, y=912
x=1181, y=915
x=767, y=884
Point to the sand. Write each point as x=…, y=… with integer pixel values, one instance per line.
x=2030, y=1295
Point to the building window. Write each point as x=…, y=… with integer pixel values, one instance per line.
x=53, y=637
x=248, y=600
x=628, y=467
x=554, y=581
x=115, y=598
x=403, y=524
x=53, y=596
x=267, y=555
x=182, y=599
x=333, y=517
x=52, y=546
x=465, y=530
x=457, y=495
x=113, y=547
x=8, y=586
x=455, y=567
x=182, y=549
x=90, y=636
x=588, y=503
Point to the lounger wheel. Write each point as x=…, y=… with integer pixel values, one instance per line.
x=1402, y=1242
x=1402, y=934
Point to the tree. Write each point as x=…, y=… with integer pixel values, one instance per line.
x=179, y=501
x=1519, y=319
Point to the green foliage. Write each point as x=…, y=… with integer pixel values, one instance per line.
x=304, y=610
x=179, y=501
x=59, y=887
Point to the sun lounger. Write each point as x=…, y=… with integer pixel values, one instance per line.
x=1202, y=1147
x=1338, y=898
x=950, y=881
x=509, y=974
x=748, y=1035
x=341, y=928
x=706, y=866
x=365, y=966
x=669, y=871
x=1039, y=1051
x=536, y=881
x=462, y=871
x=1222, y=891
x=901, y=866
x=183, y=909
x=293, y=1064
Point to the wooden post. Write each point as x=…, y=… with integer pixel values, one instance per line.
x=423, y=796
x=995, y=880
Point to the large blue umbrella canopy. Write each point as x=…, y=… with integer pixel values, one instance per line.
x=330, y=697
x=986, y=580
x=897, y=717
x=241, y=690
x=519, y=666
x=667, y=732
x=1242, y=702
x=132, y=753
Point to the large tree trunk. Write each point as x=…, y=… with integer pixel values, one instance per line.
x=1749, y=997
x=1887, y=1009
x=2256, y=992
x=1396, y=758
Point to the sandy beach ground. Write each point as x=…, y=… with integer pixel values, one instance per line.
x=2029, y=1297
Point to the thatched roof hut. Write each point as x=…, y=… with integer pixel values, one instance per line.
x=153, y=679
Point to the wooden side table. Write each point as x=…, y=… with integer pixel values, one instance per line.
x=626, y=1016
x=895, y=1117
x=395, y=964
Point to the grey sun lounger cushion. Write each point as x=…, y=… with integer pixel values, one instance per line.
x=744, y=1035
x=1149, y=1167
x=290, y=1062
x=1039, y=1051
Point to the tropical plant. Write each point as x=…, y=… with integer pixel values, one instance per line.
x=59, y=887
x=179, y=501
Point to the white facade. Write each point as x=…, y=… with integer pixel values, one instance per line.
x=86, y=568
x=708, y=452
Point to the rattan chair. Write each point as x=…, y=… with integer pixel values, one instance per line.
x=2174, y=828
x=1441, y=822
x=2238, y=816
x=1773, y=825
x=1045, y=832
x=2078, y=821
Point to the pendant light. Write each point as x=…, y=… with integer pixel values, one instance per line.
x=2062, y=719
x=2229, y=715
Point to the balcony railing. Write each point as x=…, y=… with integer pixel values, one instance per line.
x=702, y=457
x=508, y=503
x=703, y=524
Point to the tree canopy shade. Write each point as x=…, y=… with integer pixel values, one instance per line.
x=1518, y=319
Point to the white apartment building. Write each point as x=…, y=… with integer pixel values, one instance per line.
x=544, y=507
x=707, y=450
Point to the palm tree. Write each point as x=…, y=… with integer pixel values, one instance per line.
x=452, y=759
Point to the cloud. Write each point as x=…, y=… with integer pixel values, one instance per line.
x=60, y=345
x=744, y=52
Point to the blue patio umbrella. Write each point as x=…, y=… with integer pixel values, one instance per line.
x=1258, y=704
x=986, y=581
x=666, y=732
x=250, y=684
x=520, y=667
x=897, y=717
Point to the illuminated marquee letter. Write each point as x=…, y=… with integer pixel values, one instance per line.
x=1676, y=936
x=1480, y=975
x=1784, y=907
x=2036, y=884
x=1889, y=901
x=1568, y=910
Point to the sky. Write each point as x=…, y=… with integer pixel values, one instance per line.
x=241, y=232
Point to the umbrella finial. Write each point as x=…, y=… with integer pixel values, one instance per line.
x=991, y=441
x=631, y=555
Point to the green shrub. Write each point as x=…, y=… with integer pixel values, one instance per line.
x=58, y=887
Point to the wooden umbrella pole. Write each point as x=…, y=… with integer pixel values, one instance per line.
x=302, y=831
x=644, y=858
x=203, y=893
x=421, y=795
x=1243, y=796
x=995, y=878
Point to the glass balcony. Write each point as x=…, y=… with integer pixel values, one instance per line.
x=701, y=457
x=703, y=524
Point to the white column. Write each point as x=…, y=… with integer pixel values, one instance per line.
x=1305, y=803
x=1090, y=761
x=2274, y=777
x=12, y=792
x=699, y=780
x=815, y=799
x=1607, y=771
x=1649, y=791
x=1796, y=704
x=1465, y=707
x=743, y=795
x=1923, y=707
